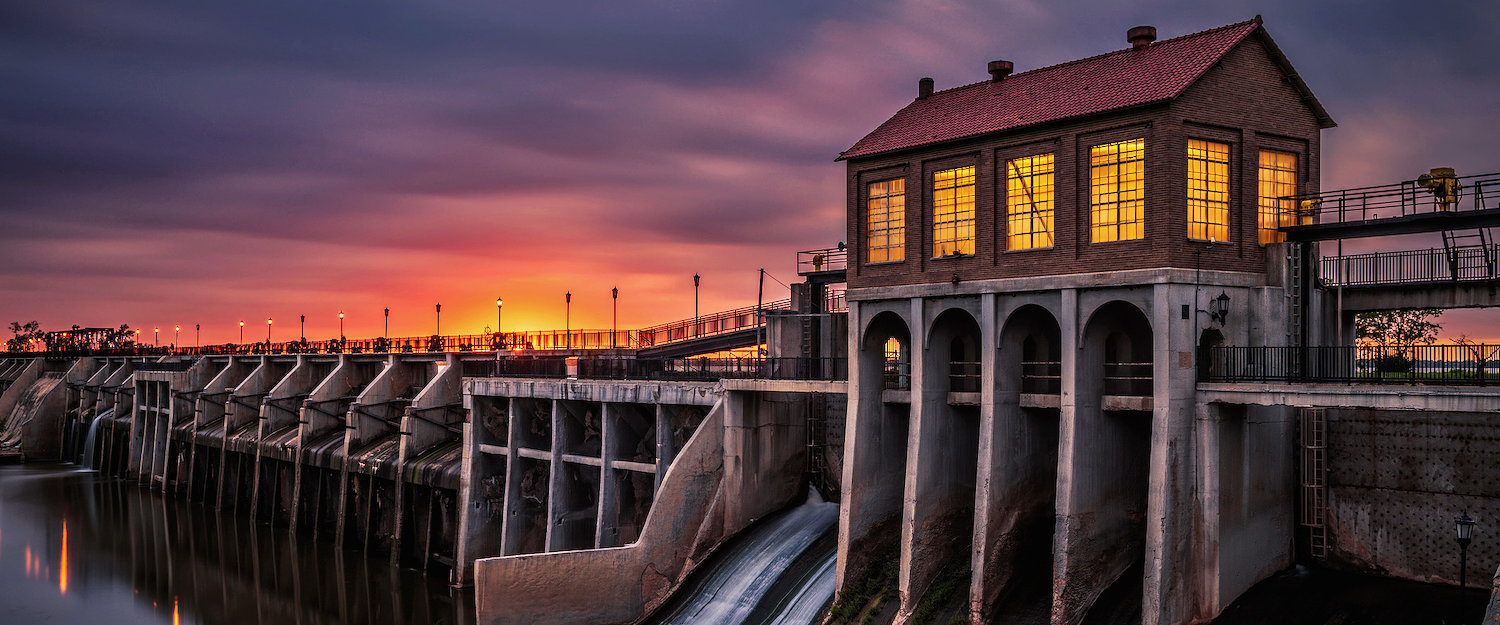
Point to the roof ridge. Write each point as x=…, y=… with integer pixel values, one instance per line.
x=1255, y=20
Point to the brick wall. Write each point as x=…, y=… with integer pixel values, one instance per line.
x=1244, y=100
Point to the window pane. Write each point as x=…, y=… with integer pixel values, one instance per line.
x=1117, y=191
x=1208, y=190
x=1029, y=202
x=1278, y=179
x=953, y=211
x=885, y=210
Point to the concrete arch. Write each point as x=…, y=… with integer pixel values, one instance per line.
x=1017, y=492
x=943, y=471
x=1030, y=352
x=1117, y=347
x=954, y=340
x=879, y=422
x=1102, y=532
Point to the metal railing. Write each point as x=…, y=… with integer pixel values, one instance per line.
x=705, y=369
x=1127, y=378
x=964, y=376
x=1041, y=377
x=818, y=261
x=707, y=325
x=1409, y=267
x=1362, y=364
x=1393, y=200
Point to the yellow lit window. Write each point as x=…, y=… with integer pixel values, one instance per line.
x=1278, y=179
x=886, y=210
x=1028, y=202
x=953, y=211
x=1117, y=191
x=1208, y=190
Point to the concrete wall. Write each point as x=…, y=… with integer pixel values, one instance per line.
x=618, y=585
x=1397, y=479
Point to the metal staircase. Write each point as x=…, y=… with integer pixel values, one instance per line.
x=1471, y=254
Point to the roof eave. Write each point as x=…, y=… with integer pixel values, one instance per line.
x=1324, y=119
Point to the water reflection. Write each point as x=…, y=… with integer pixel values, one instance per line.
x=122, y=555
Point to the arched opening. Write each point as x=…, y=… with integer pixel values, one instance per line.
x=875, y=468
x=947, y=451
x=1105, y=523
x=1013, y=542
x=1210, y=362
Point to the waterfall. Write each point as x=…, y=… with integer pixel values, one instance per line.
x=780, y=571
x=89, y=441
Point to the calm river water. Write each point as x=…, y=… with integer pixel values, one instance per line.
x=76, y=547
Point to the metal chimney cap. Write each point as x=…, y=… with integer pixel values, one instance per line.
x=1141, y=36
x=1000, y=69
x=924, y=88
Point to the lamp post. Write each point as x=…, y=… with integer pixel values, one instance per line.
x=157, y=340
x=498, y=304
x=1465, y=527
x=303, y=328
x=268, y=331
x=439, y=310
x=568, y=318
x=197, y=333
x=614, y=326
x=176, y=335
x=387, y=332
x=137, y=337
x=242, y=331
x=696, y=328
x=341, y=322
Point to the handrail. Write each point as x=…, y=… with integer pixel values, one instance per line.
x=1400, y=199
x=1475, y=263
x=1353, y=364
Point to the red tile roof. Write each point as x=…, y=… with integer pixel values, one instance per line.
x=1116, y=80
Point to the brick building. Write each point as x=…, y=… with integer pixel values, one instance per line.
x=1033, y=261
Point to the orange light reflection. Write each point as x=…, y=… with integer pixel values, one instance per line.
x=176, y=619
x=62, y=562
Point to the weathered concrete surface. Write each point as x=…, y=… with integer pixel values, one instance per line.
x=1396, y=481
x=34, y=425
x=1424, y=397
x=1448, y=295
x=620, y=584
x=1492, y=614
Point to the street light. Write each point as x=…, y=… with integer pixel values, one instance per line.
x=614, y=326
x=568, y=318
x=242, y=331
x=197, y=332
x=498, y=304
x=1465, y=527
x=387, y=323
x=696, y=328
x=341, y=322
x=439, y=310
x=302, y=329
x=268, y=331
x=176, y=335
x=158, y=336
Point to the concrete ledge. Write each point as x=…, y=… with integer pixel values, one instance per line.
x=1037, y=400
x=1377, y=396
x=680, y=393
x=1141, y=403
x=788, y=386
x=895, y=396
x=1012, y=286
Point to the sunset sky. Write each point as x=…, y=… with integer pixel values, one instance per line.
x=187, y=162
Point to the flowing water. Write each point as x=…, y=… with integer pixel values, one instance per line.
x=78, y=548
x=778, y=572
x=89, y=441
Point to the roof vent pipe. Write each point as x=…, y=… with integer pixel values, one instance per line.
x=1141, y=36
x=1000, y=69
x=924, y=88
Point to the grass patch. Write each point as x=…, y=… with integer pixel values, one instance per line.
x=876, y=587
x=953, y=578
